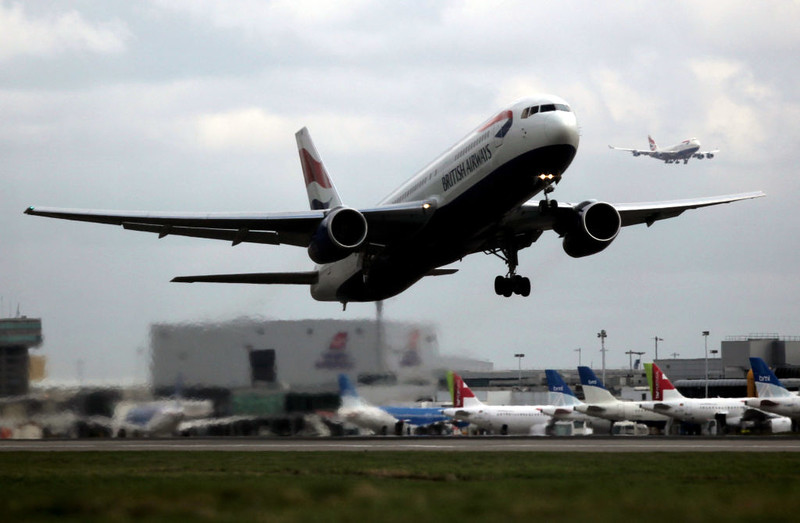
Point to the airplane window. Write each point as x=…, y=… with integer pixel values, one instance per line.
x=548, y=108
x=562, y=107
x=525, y=112
x=534, y=110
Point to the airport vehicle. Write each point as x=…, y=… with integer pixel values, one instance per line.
x=772, y=395
x=685, y=150
x=601, y=403
x=719, y=413
x=470, y=199
x=396, y=420
x=498, y=419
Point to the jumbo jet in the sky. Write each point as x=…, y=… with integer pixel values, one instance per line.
x=685, y=150
x=470, y=199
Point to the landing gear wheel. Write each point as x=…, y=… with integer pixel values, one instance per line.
x=521, y=285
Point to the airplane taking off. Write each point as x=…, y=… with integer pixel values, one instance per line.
x=470, y=199
x=685, y=150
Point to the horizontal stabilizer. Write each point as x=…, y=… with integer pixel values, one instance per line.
x=261, y=278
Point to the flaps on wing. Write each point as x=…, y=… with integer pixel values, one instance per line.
x=234, y=236
x=385, y=224
x=441, y=272
x=263, y=278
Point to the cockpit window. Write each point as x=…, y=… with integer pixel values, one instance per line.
x=530, y=111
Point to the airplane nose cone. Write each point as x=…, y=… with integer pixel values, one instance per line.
x=562, y=129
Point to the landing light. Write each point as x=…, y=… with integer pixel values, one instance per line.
x=546, y=176
x=426, y=206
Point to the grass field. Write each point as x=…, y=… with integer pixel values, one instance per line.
x=398, y=486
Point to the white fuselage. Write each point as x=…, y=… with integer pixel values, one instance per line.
x=788, y=406
x=618, y=410
x=369, y=417
x=700, y=410
x=511, y=419
x=469, y=187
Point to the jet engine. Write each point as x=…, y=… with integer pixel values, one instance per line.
x=591, y=228
x=342, y=231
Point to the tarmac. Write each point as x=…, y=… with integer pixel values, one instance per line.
x=418, y=443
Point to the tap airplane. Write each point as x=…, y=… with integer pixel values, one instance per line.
x=599, y=402
x=499, y=419
x=725, y=411
x=772, y=395
x=685, y=150
x=470, y=199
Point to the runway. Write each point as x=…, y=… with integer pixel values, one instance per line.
x=422, y=444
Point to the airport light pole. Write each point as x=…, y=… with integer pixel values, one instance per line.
x=519, y=357
x=578, y=350
x=602, y=335
x=705, y=337
x=657, y=340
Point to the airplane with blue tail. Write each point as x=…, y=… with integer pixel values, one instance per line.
x=385, y=420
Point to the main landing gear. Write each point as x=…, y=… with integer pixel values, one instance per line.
x=511, y=283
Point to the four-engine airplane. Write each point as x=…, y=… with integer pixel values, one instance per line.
x=685, y=150
x=470, y=199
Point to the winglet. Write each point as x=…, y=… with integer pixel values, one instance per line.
x=321, y=192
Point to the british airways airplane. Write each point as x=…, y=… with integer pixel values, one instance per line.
x=685, y=150
x=470, y=199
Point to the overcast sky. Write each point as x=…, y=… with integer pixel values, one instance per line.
x=192, y=105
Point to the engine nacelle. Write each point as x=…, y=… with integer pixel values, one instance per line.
x=340, y=233
x=710, y=155
x=593, y=227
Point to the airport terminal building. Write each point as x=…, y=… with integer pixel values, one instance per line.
x=301, y=355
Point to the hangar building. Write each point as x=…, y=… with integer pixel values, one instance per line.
x=300, y=354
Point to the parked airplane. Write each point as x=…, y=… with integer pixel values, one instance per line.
x=725, y=411
x=158, y=417
x=599, y=402
x=387, y=420
x=685, y=150
x=505, y=419
x=565, y=403
x=470, y=199
x=772, y=395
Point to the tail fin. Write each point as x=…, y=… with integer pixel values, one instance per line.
x=347, y=391
x=559, y=388
x=663, y=389
x=593, y=389
x=653, y=145
x=321, y=192
x=767, y=384
x=462, y=395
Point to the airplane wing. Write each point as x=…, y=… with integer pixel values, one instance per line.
x=529, y=221
x=384, y=224
x=636, y=152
